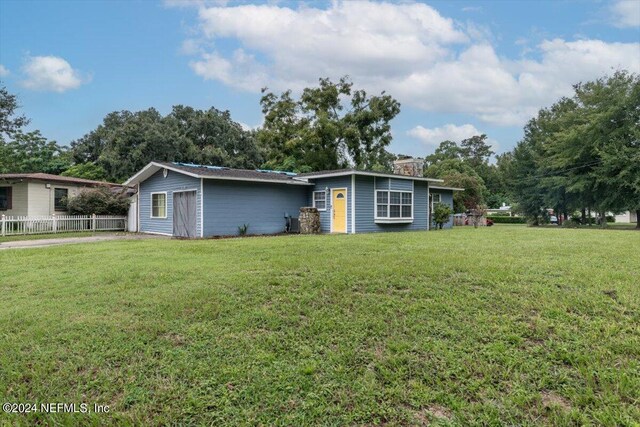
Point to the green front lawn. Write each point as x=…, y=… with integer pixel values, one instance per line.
x=500, y=325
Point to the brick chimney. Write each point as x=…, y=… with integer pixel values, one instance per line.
x=410, y=166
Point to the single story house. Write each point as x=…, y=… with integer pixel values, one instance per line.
x=188, y=200
x=40, y=194
x=627, y=217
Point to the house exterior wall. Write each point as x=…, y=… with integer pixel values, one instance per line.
x=174, y=181
x=627, y=217
x=365, y=203
x=446, y=197
x=41, y=200
x=19, y=193
x=331, y=183
x=261, y=205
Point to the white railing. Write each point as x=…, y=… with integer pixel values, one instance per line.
x=14, y=225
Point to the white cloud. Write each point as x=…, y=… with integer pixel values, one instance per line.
x=51, y=73
x=408, y=49
x=4, y=71
x=449, y=132
x=626, y=13
x=432, y=137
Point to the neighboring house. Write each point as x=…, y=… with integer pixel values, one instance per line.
x=39, y=194
x=187, y=200
x=502, y=210
x=627, y=217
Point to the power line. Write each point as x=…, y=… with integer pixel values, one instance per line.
x=557, y=173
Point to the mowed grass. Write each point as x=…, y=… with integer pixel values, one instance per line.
x=493, y=326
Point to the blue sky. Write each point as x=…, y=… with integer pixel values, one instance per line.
x=457, y=67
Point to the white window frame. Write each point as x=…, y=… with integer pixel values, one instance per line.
x=388, y=218
x=166, y=204
x=314, y=200
x=433, y=201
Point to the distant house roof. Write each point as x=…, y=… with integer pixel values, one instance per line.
x=55, y=178
x=441, y=187
x=217, y=172
x=342, y=172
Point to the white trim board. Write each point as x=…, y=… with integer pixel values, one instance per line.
x=366, y=173
x=166, y=205
x=353, y=204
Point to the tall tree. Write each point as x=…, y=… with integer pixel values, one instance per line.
x=10, y=121
x=583, y=153
x=331, y=126
x=126, y=141
x=24, y=152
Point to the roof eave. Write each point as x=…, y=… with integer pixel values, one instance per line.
x=365, y=173
x=438, y=187
x=154, y=167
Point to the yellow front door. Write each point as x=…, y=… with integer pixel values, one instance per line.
x=339, y=211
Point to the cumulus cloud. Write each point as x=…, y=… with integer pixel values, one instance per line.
x=3, y=71
x=51, y=73
x=449, y=132
x=626, y=13
x=432, y=137
x=408, y=49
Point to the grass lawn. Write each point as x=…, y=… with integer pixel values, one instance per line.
x=494, y=326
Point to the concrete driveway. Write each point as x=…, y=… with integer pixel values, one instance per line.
x=43, y=243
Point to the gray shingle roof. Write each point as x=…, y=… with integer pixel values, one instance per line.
x=55, y=178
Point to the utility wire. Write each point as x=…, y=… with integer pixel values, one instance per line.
x=557, y=173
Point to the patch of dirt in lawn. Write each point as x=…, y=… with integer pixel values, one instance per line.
x=426, y=416
x=551, y=399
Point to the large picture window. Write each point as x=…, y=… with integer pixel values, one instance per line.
x=60, y=199
x=158, y=205
x=5, y=198
x=394, y=205
x=320, y=200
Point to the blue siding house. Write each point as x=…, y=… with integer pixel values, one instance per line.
x=187, y=200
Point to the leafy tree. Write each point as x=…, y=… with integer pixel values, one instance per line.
x=476, y=151
x=126, y=141
x=86, y=171
x=31, y=152
x=458, y=173
x=447, y=150
x=214, y=138
x=441, y=214
x=99, y=201
x=582, y=153
x=24, y=152
x=331, y=126
x=10, y=123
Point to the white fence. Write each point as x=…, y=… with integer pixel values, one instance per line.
x=14, y=225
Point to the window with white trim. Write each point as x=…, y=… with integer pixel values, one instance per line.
x=435, y=199
x=394, y=204
x=320, y=200
x=158, y=205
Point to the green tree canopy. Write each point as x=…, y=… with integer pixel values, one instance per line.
x=583, y=152
x=126, y=141
x=330, y=126
x=25, y=152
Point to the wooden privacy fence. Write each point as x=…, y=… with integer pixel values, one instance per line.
x=13, y=225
